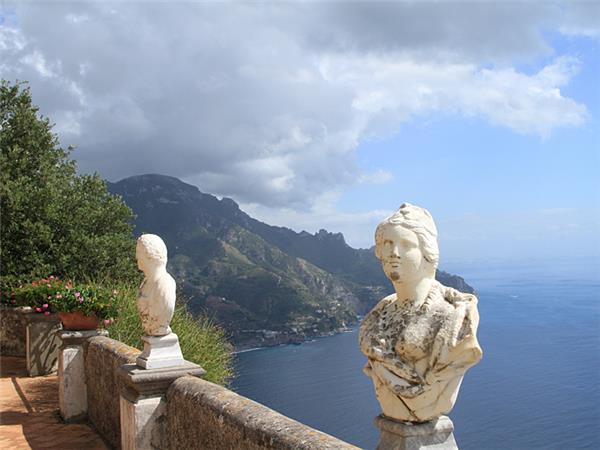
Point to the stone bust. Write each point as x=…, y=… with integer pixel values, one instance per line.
x=156, y=299
x=420, y=340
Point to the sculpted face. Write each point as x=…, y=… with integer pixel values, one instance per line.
x=400, y=255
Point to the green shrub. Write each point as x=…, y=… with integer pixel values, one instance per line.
x=53, y=220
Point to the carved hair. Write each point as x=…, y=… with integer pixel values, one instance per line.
x=154, y=247
x=419, y=221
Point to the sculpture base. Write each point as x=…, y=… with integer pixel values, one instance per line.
x=160, y=351
x=433, y=435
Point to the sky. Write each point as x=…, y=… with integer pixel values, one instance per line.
x=331, y=114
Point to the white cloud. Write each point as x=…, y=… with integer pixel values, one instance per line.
x=267, y=103
x=389, y=89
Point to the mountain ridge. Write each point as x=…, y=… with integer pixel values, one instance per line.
x=265, y=284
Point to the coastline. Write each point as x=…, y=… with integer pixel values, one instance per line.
x=285, y=338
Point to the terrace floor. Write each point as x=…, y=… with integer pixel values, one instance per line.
x=29, y=417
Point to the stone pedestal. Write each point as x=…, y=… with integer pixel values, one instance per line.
x=143, y=405
x=72, y=385
x=41, y=342
x=433, y=435
x=160, y=351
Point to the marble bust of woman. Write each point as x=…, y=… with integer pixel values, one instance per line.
x=420, y=340
x=156, y=299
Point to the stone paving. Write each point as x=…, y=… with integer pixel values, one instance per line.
x=29, y=417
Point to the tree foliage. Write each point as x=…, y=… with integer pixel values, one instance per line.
x=53, y=220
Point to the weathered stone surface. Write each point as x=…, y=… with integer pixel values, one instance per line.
x=41, y=343
x=156, y=381
x=78, y=337
x=72, y=386
x=160, y=351
x=421, y=340
x=139, y=420
x=103, y=357
x=202, y=415
x=12, y=331
x=433, y=435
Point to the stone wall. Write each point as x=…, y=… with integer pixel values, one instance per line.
x=102, y=359
x=198, y=414
x=12, y=332
x=202, y=415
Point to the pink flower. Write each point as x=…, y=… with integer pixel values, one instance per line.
x=49, y=285
x=77, y=294
x=49, y=297
x=45, y=306
x=38, y=309
x=81, y=300
x=106, y=321
x=46, y=313
x=58, y=295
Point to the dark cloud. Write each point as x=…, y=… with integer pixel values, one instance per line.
x=267, y=102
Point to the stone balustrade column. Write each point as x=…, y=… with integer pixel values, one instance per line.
x=143, y=403
x=72, y=385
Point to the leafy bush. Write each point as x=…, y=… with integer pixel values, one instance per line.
x=54, y=221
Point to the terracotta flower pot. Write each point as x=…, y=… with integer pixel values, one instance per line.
x=78, y=321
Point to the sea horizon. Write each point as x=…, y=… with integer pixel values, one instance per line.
x=540, y=367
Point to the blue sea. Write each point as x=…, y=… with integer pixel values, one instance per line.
x=537, y=386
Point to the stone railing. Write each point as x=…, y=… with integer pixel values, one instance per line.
x=167, y=408
x=204, y=415
x=103, y=357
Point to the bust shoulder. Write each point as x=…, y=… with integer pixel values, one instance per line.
x=382, y=304
x=165, y=285
x=455, y=297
